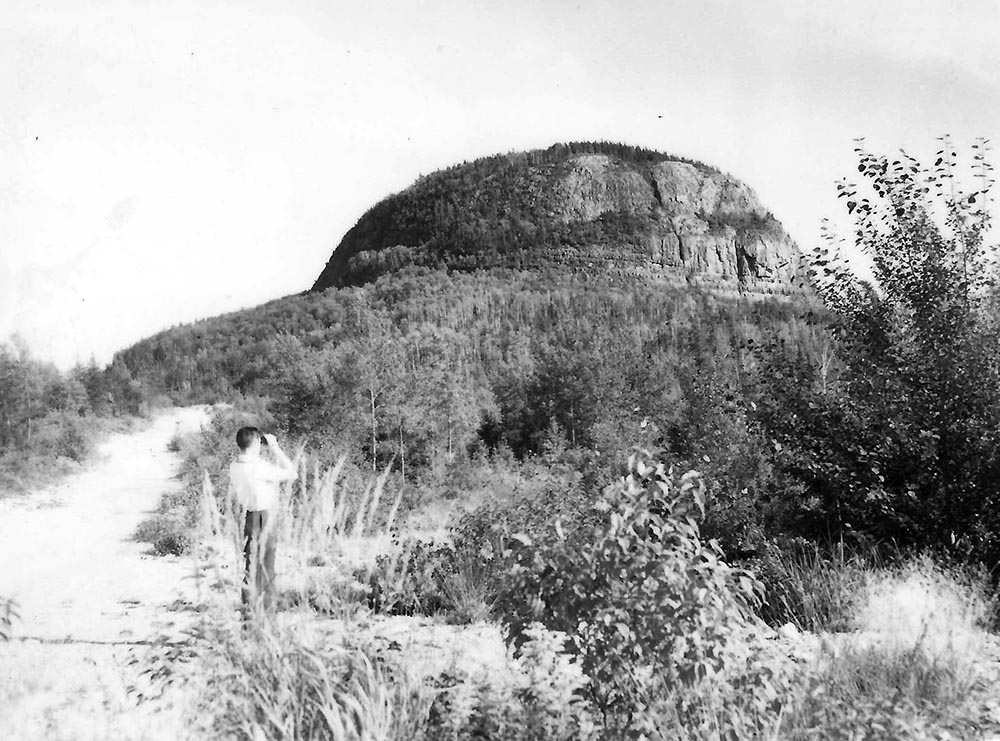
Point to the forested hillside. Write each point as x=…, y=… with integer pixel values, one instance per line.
x=49, y=420
x=564, y=304
x=864, y=415
x=431, y=369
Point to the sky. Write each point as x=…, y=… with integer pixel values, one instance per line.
x=169, y=160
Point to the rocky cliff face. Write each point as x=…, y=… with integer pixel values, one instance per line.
x=635, y=215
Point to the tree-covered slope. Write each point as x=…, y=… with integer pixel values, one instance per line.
x=587, y=296
x=519, y=353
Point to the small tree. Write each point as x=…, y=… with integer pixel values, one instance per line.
x=646, y=604
x=903, y=442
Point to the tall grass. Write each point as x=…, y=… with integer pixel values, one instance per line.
x=283, y=674
x=814, y=589
x=913, y=669
x=287, y=682
x=329, y=535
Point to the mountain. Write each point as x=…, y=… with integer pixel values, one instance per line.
x=587, y=297
x=593, y=208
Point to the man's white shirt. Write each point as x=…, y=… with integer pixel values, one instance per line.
x=255, y=482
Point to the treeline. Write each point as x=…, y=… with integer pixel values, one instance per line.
x=50, y=420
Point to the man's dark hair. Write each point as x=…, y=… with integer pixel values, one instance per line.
x=246, y=436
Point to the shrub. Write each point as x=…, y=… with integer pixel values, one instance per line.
x=460, y=578
x=922, y=602
x=285, y=687
x=899, y=438
x=420, y=578
x=915, y=668
x=167, y=533
x=882, y=691
x=174, y=443
x=644, y=602
x=410, y=580
x=542, y=697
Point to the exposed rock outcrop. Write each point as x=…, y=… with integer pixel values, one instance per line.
x=586, y=207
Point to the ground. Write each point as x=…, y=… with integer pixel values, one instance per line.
x=92, y=601
x=88, y=594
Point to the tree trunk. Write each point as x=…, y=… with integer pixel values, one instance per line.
x=402, y=452
x=371, y=396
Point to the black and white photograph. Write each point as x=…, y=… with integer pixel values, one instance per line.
x=464, y=370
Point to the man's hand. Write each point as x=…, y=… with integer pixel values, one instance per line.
x=291, y=469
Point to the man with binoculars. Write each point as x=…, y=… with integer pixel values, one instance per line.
x=254, y=484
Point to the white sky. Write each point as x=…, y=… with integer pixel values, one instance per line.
x=168, y=160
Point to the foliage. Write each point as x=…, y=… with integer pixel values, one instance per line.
x=167, y=533
x=276, y=682
x=471, y=368
x=50, y=421
x=899, y=439
x=881, y=692
x=415, y=587
x=643, y=598
x=681, y=658
x=542, y=698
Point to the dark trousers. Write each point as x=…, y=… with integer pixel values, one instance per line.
x=259, y=543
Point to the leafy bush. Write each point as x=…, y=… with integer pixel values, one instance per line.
x=922, y=602
x=644, y=602
x=410, y=580
x=899, y=438
x=916, y=667
x=286, y=688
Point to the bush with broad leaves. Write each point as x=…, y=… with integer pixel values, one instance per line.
x=646, y=605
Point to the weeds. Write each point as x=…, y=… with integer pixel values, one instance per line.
x=167, y=533
x=914, y=666
x=815, y=591
x=878, y=691
x=285, y=683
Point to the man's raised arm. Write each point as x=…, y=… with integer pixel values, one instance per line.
x=285, y=470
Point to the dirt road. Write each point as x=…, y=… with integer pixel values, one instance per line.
x=88, y=593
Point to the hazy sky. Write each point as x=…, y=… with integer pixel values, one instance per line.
x=166, y=161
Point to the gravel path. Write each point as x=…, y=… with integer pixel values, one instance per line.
x=88, y=593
